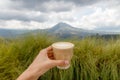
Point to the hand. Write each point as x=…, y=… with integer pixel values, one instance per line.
x=42, y=63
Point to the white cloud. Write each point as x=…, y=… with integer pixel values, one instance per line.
x=15, y=24
x=55, y=6
x=5, y=4
x=99, y=18
x=12, y=24
x=94, y=16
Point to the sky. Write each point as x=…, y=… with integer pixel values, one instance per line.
x=101, y=15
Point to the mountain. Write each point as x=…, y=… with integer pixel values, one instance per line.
x=61, y=30
x=65, y=30
x=63, y=27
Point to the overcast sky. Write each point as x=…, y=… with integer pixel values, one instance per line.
x=86, y=14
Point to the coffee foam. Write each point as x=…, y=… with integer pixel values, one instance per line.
x=63, y=45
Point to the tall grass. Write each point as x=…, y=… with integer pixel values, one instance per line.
x=94, y=59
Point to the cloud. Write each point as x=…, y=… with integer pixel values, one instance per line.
x=55, y=6
x=29, y=10
x=5, y=4
x=50, y=5
x=83, y=2
x=22, y=16
x=100, y=19
x=42, y=5
x=16, y=24
x=86, y=14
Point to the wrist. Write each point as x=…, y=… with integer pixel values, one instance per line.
x=29, y=74
x=34, y=73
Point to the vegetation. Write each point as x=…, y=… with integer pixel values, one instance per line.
x=94, y=59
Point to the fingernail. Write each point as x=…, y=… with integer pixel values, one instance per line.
x=66, y=62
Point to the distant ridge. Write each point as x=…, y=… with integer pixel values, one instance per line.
x=62, y=30
x=12, y=32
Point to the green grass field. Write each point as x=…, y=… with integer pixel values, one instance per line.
x=94, y=59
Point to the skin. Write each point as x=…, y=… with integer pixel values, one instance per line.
x=41, y=64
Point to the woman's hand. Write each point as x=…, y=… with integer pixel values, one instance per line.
x=42, y=63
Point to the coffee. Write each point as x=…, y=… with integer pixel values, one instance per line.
x=63, y=51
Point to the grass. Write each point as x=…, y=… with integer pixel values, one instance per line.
x=94, y=59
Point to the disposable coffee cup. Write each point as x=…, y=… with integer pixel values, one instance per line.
x=63, y=51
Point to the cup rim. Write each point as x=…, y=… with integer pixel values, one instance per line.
x=72, y=45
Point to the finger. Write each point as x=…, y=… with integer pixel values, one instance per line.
x=60, y=62
x=49, y=48
x=43, y=51
x=51, y=55
x=52, y=58
x=50, y=52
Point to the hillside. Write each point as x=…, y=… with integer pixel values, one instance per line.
x=65, y=30
x=12, y=32
x=61, y=30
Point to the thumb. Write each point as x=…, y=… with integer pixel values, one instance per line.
x=60, y=62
